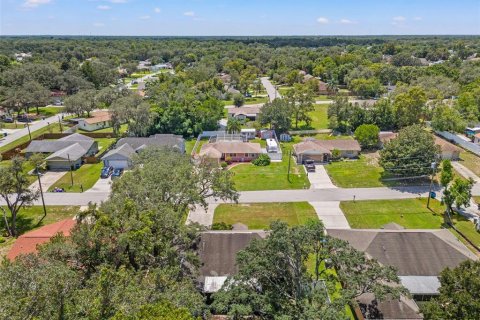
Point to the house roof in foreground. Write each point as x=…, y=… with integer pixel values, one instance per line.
x=412, y=252
x=124, y=150
x=402, y=308
x=72, y=152
x=27, y=243
x=49, y=146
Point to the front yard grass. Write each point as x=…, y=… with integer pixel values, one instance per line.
x=104, y=143
x=260, y=215
x=248, y=177
x=319, y=119
x=409, y=213
x=470, y=161
x=47, y=111
x=87, y=175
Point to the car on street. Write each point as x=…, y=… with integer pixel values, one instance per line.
x=310, y=165
x=106, y=172
x=7, y=119
x=117, y=173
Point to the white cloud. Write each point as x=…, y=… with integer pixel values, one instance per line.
x=346, y=21
x=118, y=1
x=144, y=17
x=418, y=19
x=99, y=24
x=34, y=3
x=103, y=7
x=189, y=14
x=399, y=19
x=157, y=10
x=322, y=20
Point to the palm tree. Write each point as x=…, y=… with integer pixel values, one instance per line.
x=234, y=125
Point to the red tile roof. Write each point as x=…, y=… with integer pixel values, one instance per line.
x=28, y=242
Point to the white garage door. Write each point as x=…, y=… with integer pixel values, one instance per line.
x=118, y=164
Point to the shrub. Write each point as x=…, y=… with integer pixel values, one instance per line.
x=228, y=160
x=2, y=239
x=224, y=165
x=238, y=100
x=262, y=161
x=336, y=154
x=221, y=226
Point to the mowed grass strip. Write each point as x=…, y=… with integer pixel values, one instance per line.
x=360, y=173
x=261, y=215
x=319, y=119
x=409, y=213
x=87, y=175
x=470, y=161
x=51, y=128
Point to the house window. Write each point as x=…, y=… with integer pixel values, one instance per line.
x=349, y=152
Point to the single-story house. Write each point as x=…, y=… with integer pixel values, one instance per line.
x=476, y=138
x=321, y=150
x=98, y=120
x=218, y=255
x=125, y=148
x=64, y=153
x=246, y=112
x=236, y=151
x=28, y=242
x=448, y=151
x=418, y=255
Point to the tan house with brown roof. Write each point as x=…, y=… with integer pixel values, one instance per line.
x=321, y=150
x=235, y=151
x=98, y=120
x=246, y=112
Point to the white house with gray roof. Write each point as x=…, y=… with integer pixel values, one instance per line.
x=121, y=156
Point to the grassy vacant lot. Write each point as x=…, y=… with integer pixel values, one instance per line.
x=104, y=143
x=409, y=213
x=319, y=119
x=252, y=100
x=85, y=176
x=272, y=177
x=47, y=111
x=470, y=161
x=29, y=217
x=54, y=127
x=189, y=144
x=260, y=215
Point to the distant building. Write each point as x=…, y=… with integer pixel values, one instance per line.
x=22, y=56
x=98, y=120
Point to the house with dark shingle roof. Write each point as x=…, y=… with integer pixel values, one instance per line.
x=64, y=153
x=321, y=150
x=125, y=148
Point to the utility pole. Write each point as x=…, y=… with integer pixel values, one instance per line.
x=60, y=123
x=434, y=166
x=28, y=127
x=71, y=169
x=41, y=193
x=289, y=159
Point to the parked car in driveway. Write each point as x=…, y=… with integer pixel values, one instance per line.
x=117, y=173
x=106, y=172
x=7, y=119
x=310, y=165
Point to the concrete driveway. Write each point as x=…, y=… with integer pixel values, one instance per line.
x=330, y=214
x=48, y=179
x=202, y=216
x=102, y=185
x=320, y=179
x=270, y=88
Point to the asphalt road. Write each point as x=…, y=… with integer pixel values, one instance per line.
x=271, y=91
x=24, y=132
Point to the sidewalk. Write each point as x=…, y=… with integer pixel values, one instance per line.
x=465, y=172
x=330, y=214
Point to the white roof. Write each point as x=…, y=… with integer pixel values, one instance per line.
x=421, y=284
x=213, y=284
x=248, y=130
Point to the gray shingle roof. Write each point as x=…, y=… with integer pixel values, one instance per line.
x=125, y=150
x=49, y=146
x=158, y=140
x=72, y=153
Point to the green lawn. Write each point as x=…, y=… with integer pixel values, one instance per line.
x=252, y=100
x=189, y=144
x=249, y=177
x=53, y=128
x=15, y=125
x=85, y=176
x=123, y=129
x=104, y=143
x=260, y=215
x=319, y=119
x=47, y=111
x=470, y=161
x=409, y=213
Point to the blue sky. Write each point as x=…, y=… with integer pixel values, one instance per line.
x=238, y=17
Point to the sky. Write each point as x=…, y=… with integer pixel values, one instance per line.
x=238, y=17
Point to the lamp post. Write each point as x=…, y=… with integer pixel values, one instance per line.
x=28, y=127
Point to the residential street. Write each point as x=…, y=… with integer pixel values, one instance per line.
x=272, y=92
x=33, y=127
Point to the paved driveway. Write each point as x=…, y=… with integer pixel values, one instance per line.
x=202, y=216
x=271, y=91
x=102, y=185
x=330, y=214
x=320, y=179
x=467, y=173
x=48, y=179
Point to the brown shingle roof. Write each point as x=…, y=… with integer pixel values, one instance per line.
x=99, y=116
x=446, y=146
x=247, y=110
x=326, y=146
x=216, y=149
